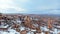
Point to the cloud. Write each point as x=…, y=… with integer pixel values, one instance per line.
x=6, y=1
x=24, y=1
x=42, y=8
x=6, y=4
x=54, y=12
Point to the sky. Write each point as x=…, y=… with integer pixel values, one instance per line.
x=30, y=6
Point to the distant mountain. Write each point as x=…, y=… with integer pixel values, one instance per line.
x=54, y=15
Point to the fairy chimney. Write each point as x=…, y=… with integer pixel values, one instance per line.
x=23, y=32
x=49, y=24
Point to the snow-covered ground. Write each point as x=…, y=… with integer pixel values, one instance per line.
x=2, y=26
x=30, y=31
x=55, y=30
x=10, y=31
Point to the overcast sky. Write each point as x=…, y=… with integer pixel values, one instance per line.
x=30, y=6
